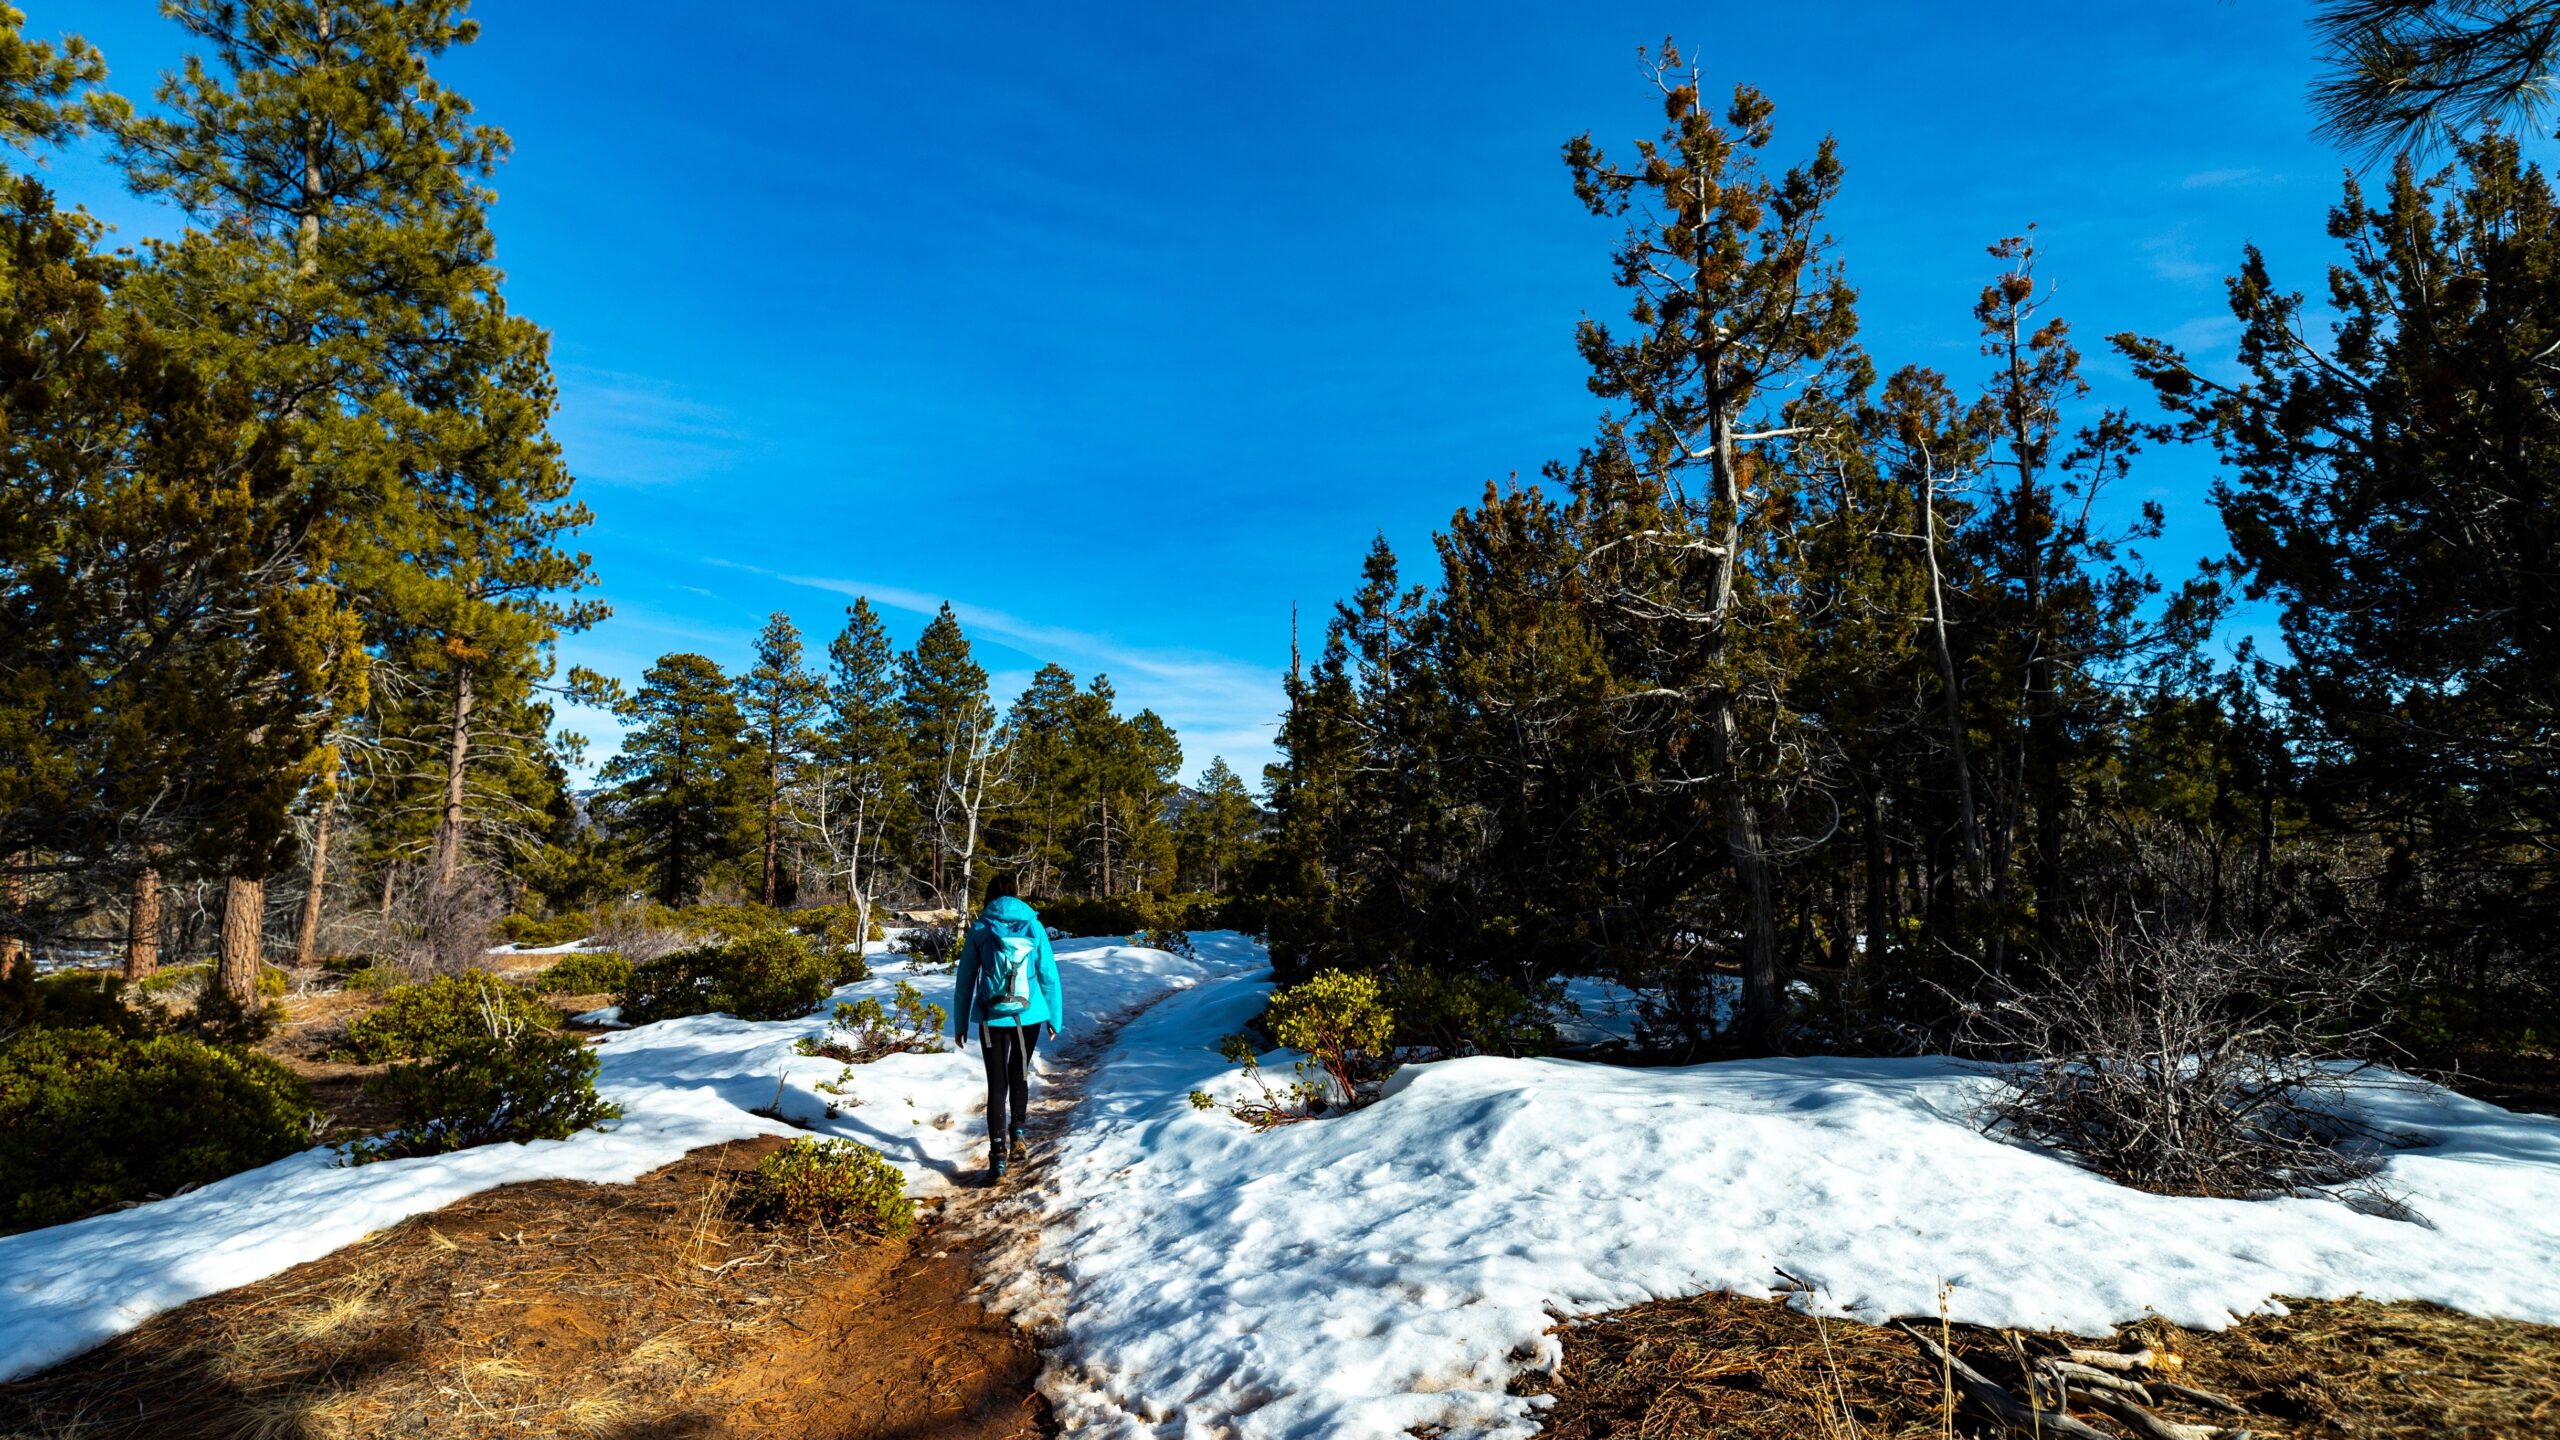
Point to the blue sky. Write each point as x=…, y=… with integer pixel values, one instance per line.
x=1123, y=327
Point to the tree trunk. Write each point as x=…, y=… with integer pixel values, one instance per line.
x=142, y=927
x=1879, y=875
x=13, y=897
x=456, y=770
x=244, y=919
x=306, y=935
x=772, y=827
x=1106, y=847
x=1947, y=678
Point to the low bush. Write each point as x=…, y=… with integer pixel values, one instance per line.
x=523, y=1084
x=1172, y=942
x=2189, y=1064
x=432, y=1017
x=1342, y=1026
x=593, y=973
x=91, y=1117
x=225, y=1019
x=731, y=922
x=71, y=1000
x=772, y=975
x=930, y=945
x=526, y=931
x=1085, y=915
x=1462, y=1013
x=864, y=1030
x=827, y=1182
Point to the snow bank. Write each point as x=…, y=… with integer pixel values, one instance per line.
x=1371, y=1273
x=681, y=1084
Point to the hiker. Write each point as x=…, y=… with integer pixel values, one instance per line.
x=1008, y=982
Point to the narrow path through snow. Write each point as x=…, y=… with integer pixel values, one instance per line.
x=682, y=1084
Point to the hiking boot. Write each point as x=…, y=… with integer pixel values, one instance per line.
x=995, y=1170
x=1015, y=1145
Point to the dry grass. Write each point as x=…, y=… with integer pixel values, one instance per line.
x=1741, y=1369
x=559, y=1308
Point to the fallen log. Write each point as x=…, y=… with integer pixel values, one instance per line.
x=2005, y=1407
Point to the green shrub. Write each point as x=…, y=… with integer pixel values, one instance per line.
x=1083, y=915
x=176, y=977
x=1172, y=942
x=1340, y=1021
x=524, y=1085
x=596, y=973
x=380, y=977
x=827, y=1182
x=864, y=1030
x=70, y=1000
x=432, y=1018
x=772, y=975
x=223, y=1019
x=1470, y=1014
x=350, y=963
x=525, y=930
x=90, y=1117
x=731, y=922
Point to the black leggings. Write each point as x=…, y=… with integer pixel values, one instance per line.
x=1008, y=1050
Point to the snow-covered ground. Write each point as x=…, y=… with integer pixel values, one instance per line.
x=681, y=1084
x=1367, y=1274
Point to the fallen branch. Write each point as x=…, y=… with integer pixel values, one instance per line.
x=2092, y=1378
x=2112, y=1359
x=2193, y=1396
x=2151, y=1427
x=2003, y=1406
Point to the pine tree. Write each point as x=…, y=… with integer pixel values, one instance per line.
x=1216, y=831
x=1735, y=301
x=2392, y=493
x=344, y=238
x=953, y=756
x=781, y=699
x=1041, y=813
x=858, y=799
x=682, y=788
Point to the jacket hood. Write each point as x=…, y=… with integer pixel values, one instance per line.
x=1010, y=911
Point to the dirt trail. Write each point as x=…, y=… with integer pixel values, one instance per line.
x=636, y=1312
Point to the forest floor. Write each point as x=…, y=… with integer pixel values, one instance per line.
x=565, y=1308
x=558, y=1307
x=1744, y=1369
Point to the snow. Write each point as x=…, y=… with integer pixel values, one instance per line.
x=681, y=1084
x=1369, y=1273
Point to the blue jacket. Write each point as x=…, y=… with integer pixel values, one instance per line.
x=1007, y=916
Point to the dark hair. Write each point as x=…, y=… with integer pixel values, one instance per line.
x=1003, y=886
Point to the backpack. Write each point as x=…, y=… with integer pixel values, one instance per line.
x=1004, y=983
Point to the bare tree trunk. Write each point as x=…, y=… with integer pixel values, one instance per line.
x=456, y=770
x=142, y=927
x=772, y=825
x=1947, y=679
x=244, y=919
x=306, y=935
x=13, y=897
x=1106, y=845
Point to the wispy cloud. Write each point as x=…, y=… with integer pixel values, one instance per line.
x=2227, y=179
x=1218, y=705
x=2172, y=257
x=639, y=430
